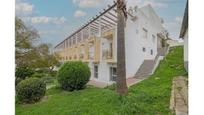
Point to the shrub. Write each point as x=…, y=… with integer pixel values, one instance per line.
x=30, y=90
x=23, y=72
x=73, y=75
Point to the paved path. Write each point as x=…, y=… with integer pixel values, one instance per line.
x=179, y=96
x=132, y=81
x=129, y=81
x=97, y=84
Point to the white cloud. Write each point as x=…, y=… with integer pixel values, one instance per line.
x=88, y=3
x=178, y=19
x=44, y=20
x=22, y=7
x=153, y=3
x=42, y=32
x=97, y=3
x=174, y=27
x=79, y=13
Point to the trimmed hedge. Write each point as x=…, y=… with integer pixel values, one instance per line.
x=73, y=75
x=30, y=90
x=23, y=72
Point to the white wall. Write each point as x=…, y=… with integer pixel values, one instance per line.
x=134, y=41
x=133, y=49
x=186, y=46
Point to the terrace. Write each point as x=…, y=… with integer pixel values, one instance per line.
x=89, y=34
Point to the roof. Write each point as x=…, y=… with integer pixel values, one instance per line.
x=184, y=25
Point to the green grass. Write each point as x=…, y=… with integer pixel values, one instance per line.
x=152, y=95
x=149, y=97
x=88, y=101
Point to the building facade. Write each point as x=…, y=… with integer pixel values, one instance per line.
x=184, y=35
x=96, y=42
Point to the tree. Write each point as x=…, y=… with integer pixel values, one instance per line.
x=24, y=38
x=121, y=66
x=28, y=53
x=45, y=58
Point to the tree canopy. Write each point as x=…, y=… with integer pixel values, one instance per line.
x=28, y=52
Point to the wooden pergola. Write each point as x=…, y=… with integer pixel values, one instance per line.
x=105, y=20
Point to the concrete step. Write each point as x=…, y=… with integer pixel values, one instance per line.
x=148, y=65
x=145, y=69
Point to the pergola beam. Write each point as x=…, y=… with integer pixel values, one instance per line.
x=110, y=18
x=105, y=24
x=108, y=21
x=105, y=11
x=112, y=15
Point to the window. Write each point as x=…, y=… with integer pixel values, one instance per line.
x=153, y=38
x=151, y=51
x=95, y=71
x=143, y=49
x=113, y=73
x=144, y=33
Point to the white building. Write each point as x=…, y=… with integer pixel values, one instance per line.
x=96, y=43
x=184, y=35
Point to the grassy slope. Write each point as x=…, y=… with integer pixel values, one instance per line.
x=150, y=96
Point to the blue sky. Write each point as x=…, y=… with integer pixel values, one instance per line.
x=56, y=19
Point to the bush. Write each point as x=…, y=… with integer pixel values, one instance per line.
x=30, y=90
x=23, y=72
x=73, y=75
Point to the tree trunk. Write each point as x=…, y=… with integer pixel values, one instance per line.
x=121, y=67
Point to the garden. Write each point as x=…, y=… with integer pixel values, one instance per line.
x=69, y=93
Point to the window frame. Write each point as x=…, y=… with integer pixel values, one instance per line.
x=96, y=72
x=143, y=49
x=113, y=76
x=152, y=52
